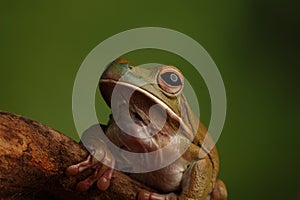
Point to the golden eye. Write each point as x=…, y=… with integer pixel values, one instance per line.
x=170, y=80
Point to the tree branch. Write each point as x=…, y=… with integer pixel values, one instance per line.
x=33, y=159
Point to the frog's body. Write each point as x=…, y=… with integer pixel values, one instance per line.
x=193, y=174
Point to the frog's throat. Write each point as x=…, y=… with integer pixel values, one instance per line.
x=187, y=131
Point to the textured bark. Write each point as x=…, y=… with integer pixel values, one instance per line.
x=33, y=159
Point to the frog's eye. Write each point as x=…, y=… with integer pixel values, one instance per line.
x=170, y=80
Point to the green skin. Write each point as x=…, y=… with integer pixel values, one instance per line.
x=192, y=176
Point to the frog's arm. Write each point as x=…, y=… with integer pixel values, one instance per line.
x=100, y=159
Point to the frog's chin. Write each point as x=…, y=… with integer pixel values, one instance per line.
x=135, y=131
x=133, y=122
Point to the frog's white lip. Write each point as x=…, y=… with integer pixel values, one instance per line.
x=186, y=129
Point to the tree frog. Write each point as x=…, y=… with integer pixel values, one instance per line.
x=192, y=175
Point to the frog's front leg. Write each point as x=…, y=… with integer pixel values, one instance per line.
x=99, y=159
x=102, y=174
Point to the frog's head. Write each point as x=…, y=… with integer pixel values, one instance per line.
x=148, y=86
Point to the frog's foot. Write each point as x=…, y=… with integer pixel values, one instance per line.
x=102, y=174
x=146, y=195
x=219, y=192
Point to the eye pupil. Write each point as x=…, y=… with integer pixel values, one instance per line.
x=171, y=78
x=174, y=77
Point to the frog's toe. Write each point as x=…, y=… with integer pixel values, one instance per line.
x=83, y=186
x=72, y=170
x=146, y=195
x=104, y=181
x=80, y=167
x=102, y=175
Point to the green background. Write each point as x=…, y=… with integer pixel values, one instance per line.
x=254, y=44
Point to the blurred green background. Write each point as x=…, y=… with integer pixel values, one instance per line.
x=255, y=45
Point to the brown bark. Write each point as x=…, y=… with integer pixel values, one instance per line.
x=33, y=159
